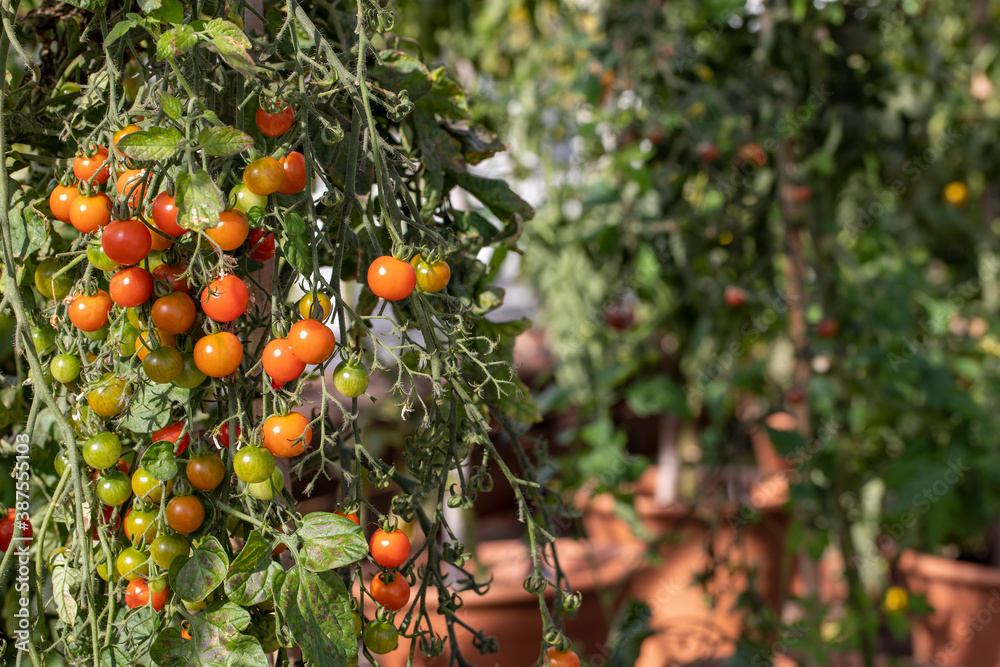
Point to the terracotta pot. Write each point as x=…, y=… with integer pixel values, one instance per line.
x=964, y=630
x=692, y=626
x=510, y=614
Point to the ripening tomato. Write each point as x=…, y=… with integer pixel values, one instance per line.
x=171, y=433
x=165, y=548
x=231, y=231
x=294, y=165
x=126, y=242
x=261, y=244
x=50, y=285
x=391, y=279
x=88, y=214
x=173, y=275
x=206, y=471
x=263, y=176
x=141, y=524
x=138, y=594
x=97, y=257
x=312, y=342
x=131, y=287
x=557, y=658
x=317, y=309
x=159, y=240
x=218, y=355
x=389, y=549
x=131, y=186
x=287, y=435
x=90, y=312
x=7, y=530
x=60, y=199
x=253, y=464
x=224, y=434
x=185, y=514
x=151, y=339
x=148, y=488
x=431, y=277
x=252, y=204
x=275, y=124
x=163, y=364
x=225, y=298
x=381, y=637
x=393, y=595
x=110, y=396
x=133, y=564
x=174, y=313
x=165, y=215
x=280, y=363
x=87, y=166
x=128, y=129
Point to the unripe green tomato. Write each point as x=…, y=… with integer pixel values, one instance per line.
x=264, y=490
x=100, y=334
x=133, y=564
x=194, y=607
x=252, y=204
x=190, y=376
x=102, y=450
x=126, y=335
x=52, y=288
x=43, y=339
x=350, y=379
x=61, y=463
x=114, y=489
x=65, y=368
x=166, y=548
x=98, y=258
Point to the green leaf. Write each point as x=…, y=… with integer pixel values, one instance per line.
x=172, y=11
x=400, y=71
x=175, y=42
x=496, y=195
x=235, y=54
x=296, y=243
x=120, y=30
x=216, y=641
x=329, y=541
x=222, y=27
x=170, y=104
x=317, y=609
x=470, y=222
x=115, y=656
x=65, y=581
x=29, y=229
x=156, y=143
x=199, y=201
x=249, y=579
x=195, y=576
x=787, y=442
x=149, y=6
x=160, y=462
x=90, y=5
x=150, y=410
x=518, y=403
x=446, y=97
x=224, y=141
x=657, y=395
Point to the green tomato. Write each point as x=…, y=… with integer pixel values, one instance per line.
x=253, y=464
x=65, y=368
x=166, y=548
x=43, y=339
x=52, y=287
x=114, y=489
x=98, y=258
x=350, y=378
x=264, y=490
x=102, y=450
x=133, y=564
x=253, y=205
x=61, y=463
x=190, y=376
x=163, y=364
x=100, y=334
x=381, y=637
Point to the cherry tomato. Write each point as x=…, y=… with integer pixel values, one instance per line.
x=318, y=308
x=431, y=277
x=172, y=433
x=242, y=199
x=165, y=548
x=140, y=524
x=102, y=450
x=311, y=341
x=391, y=279
x=206, y=471
x=139, y=593
x=165, y=215
x=265, y=490
x=231, y=231
x=163, y=364
x=126, y=242
x=294, y=165
x=98, y=258
x=174, y=313
x=148, y=488
x=60, y=199
x=263, y=176
x=128, y=129
x=50, y=285
x=88, y=214
x=159, y=240
x=109, y=398
x=149, y=340
x=190, y=377
x=224, y=434
x=389, y=549
x=225, y=299
x=131, y=186
x=557, y=658
x=381, y=637
x=100, y=334
x=87, y=166
x=90, y=313
x=282, y=434
x=275, y=124
x=352, y=516
x=253, y=464
x=133, y=564
x=104, y=524
x=65, y=368
x=7, y=530
x=43, y=339
x=172, y=275
x=185, y=514
x=218, y=355
x=261, y=245
x=131, y=287
x=114, y=489
x=350, y=378
x=279, y=362
x=393, y=595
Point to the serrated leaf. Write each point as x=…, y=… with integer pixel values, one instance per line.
x=224, y=141
x=175, y=42
x=228, y=29
x=29, y=229
x=248, y=580
x=496, y=195
x=65, y=581
x=216, y=641
x=446, y=97
x=401, y=71
x=235, y=55
x=195, y=576
x=199, y=201
x=170, y=104
x=329, y=541
x=296, y=243
x=171, y=11
x=156, y=143
x=114, y=656
x=120, y=30
x=160, y=462
x=150, y=410
x=317, y=609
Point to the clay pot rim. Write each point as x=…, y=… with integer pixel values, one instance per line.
x=916, y=563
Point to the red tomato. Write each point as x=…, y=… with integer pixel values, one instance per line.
x=171, y=274
x=275, y=124
x=224, y=431
x=60, y=199
x=352, y=516
x=218, y=355
x=138, y=594
x=393, y=595
x=90, y=313
x=174, y=313
x=126, y=242
x=231, y=231
x=294, y=165
x=312, y=342
x=131, y=287
x=225, y=299
x=86, y=166
x=389, y=549
x=7, y=530
x=280, y=364
x=88, y=214
x=261, y=244
x=165, y=215
x=172, y=433
x=557, y=658
x=391, y=279
x=282, y=431
x=185, y=514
